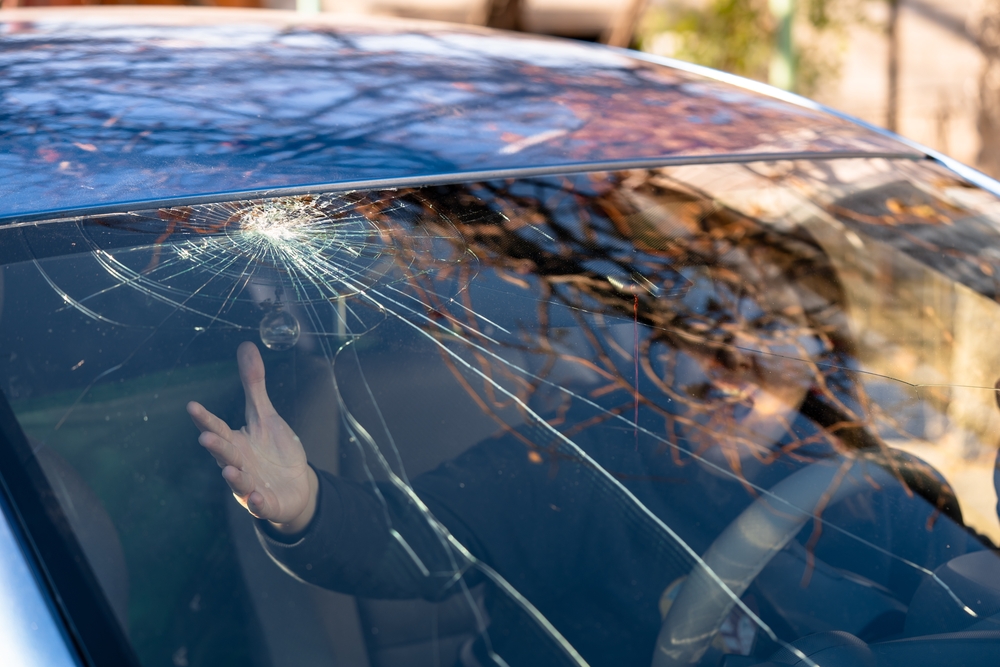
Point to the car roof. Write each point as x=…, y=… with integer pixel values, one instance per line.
x=106, y=109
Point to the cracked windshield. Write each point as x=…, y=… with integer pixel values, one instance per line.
x=678, y=416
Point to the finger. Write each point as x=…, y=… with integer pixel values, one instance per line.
x=258, y=506
x=206, y=421
x=225, y=452
x=240, y=482
x=252, y=376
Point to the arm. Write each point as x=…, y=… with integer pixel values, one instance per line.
x=378, y=545
x=538, y=523
x=328, y=531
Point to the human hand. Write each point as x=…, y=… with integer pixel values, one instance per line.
x=263, y=462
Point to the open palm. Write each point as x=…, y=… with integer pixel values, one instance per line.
x=263, y=462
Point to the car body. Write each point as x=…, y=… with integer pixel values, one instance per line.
x=637, y=363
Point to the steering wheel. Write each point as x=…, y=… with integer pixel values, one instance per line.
x=745, y=547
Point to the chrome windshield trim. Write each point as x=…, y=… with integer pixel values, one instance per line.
x=51, y=216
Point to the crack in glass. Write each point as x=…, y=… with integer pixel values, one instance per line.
x=655, y=334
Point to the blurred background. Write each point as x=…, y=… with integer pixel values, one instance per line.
x=928, y=69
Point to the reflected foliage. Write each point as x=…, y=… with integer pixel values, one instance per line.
x=739, y=327
x=677, y=341
x=118, y=113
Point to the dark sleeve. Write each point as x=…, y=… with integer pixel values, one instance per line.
x=363, y=544
x=545, y=521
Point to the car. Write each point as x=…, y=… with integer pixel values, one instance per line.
x=512, y=351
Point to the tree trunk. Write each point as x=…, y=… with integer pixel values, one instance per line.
x=987, y=33
x=623, y=30
x=892, y=36
x=505, y=14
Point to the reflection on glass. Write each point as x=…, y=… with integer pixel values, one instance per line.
x=279, y=330
x=400, y=103
x=655, y=417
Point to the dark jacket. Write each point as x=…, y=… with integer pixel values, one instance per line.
x=564, y=537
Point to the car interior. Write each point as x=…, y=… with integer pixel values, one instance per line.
x=187, y=580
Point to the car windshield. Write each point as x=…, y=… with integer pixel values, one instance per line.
x=686, y=415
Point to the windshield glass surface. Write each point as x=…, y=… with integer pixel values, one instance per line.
x=690, y=415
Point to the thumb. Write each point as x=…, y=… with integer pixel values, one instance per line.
x=252, y=376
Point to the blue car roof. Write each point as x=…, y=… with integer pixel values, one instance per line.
x=107, y=109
